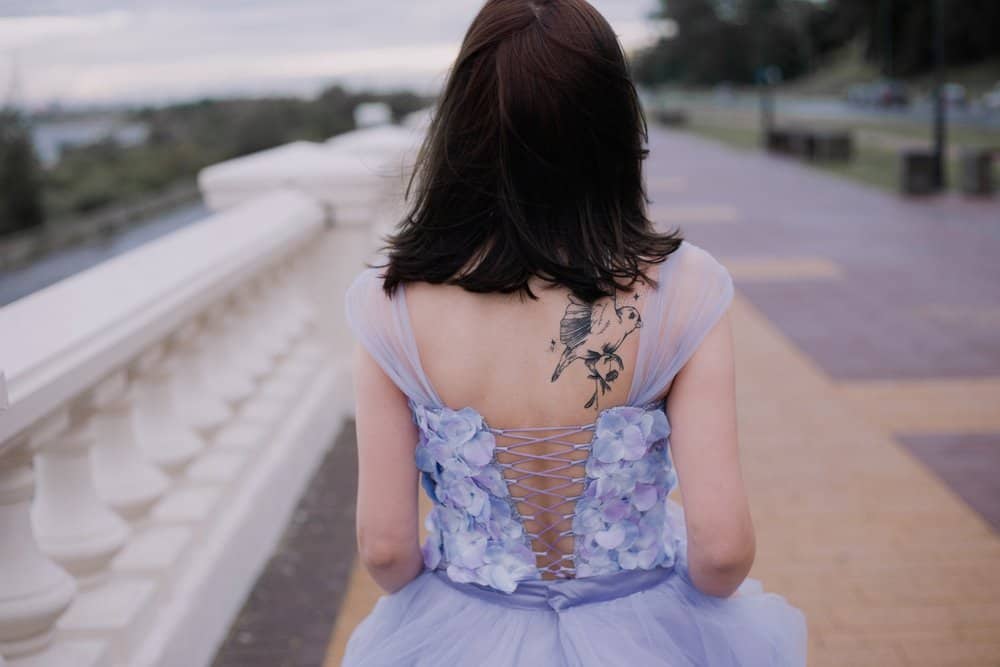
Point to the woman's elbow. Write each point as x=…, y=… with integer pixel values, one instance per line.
x=382, y=555
x=719, y=571
x=390, y=563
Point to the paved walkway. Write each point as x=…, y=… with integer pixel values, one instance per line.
x=286, y=620
x=868, y=369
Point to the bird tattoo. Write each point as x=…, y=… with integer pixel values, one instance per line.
x=593, y=333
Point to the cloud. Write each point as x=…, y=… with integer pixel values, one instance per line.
x=159, y=50
x=17, y=32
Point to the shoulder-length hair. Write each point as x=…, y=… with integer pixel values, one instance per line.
x=532, y=163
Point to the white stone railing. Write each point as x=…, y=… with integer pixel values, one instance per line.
x=161, y=413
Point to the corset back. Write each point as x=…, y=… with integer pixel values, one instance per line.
x=592, y=507
x=517, y=504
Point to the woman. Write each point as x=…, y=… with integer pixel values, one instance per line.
x=547, y=366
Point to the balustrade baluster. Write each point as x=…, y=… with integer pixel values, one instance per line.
x=261, y=353
x=125, y=480
x=221, y=366
x=198, y=406
x=34, y=590
x=75, y=528
x=72, y=524
x=163, y=437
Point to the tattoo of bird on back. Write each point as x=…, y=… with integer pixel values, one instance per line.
x=593, y=333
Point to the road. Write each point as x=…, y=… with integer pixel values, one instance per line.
x=20, y=282
x=833, y=109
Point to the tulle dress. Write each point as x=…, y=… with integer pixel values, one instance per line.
x=499, y=587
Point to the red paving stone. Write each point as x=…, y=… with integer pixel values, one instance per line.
x=969, y=463
x=917, y=296
x=903, y=260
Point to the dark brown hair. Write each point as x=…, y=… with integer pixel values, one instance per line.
x=532, y=163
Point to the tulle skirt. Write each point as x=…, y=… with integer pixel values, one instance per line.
x=634, y=617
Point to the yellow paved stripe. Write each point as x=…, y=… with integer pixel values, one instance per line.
x=972, y=314
x=928, y=406
x=692, y=214
x=666, y=184
x=787, y=268
x=876, y=550
x=362, y=593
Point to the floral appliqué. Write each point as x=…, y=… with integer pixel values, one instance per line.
x=621, y=520
x=476, y=534
x=473, y=529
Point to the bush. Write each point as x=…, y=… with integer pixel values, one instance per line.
x=20, y=176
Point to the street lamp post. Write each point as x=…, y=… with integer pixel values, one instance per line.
x=767, y=78
x=940, y=109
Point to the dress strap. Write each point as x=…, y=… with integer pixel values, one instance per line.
x=694, y=292
x=382, y=326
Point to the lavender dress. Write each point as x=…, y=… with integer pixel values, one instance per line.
x=496, y=589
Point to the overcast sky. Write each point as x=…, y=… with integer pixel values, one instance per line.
x=80, y=51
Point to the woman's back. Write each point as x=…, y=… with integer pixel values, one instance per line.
x=522, y=364
x=549, y=488
x=565, y=395
x=499, y=352
x=539, y=429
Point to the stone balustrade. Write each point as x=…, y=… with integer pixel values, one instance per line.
x=161, y=412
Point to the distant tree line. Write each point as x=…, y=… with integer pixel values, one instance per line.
x=20, y=176
x=729, y=40
x=898, y=34
x=181, y=140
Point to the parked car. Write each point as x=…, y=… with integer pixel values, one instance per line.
x=885, y=93
x=955, y=95
x=991, y=100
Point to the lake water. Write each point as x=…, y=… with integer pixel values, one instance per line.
x=51, y=138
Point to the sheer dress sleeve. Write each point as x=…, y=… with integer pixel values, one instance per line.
x=382, y=326
x=695, y=291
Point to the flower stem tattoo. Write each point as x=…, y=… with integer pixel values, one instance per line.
x=593, y=333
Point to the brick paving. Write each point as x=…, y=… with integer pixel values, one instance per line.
x=869, y=402
x=929, y=406
x=967, y=462
x=889, y=565
x=924, y=267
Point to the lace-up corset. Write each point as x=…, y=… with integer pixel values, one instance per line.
x=532, y=503
x=502, y=514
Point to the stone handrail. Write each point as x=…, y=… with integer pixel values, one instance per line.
x=122, y=305
x=161, y=412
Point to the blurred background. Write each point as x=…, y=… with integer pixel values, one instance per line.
x=187, y=188
x=110, y=109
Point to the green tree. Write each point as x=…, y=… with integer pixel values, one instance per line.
x=898, y=34
x=20, y=176
x=728, y=40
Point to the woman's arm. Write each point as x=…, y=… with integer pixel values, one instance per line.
x=388, y=482
x=701, y=406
